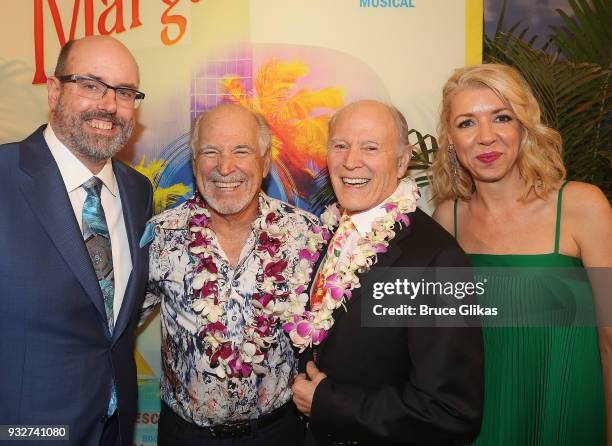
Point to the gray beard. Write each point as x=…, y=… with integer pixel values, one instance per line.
x=223, y=208
x=96, y=148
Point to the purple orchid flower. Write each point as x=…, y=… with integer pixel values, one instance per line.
x=267, y=243
x=380, y=248
x=215, y=327
x=209, y=288
x=239, y=368
x=334, y=285
x=305, y=254
x=271, y=218
x=288, y=327
x=196, y=201
x=318, y=336
x=263, y=298
x=209, y=264
x=263, y=325
x=274, y=270
x=225, y=351
x=403, y=218
x=303, y=328
x=199, y=221
x=326, y=234
x=198, y=240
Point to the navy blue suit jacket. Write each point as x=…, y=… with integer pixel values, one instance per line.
x=57, y=359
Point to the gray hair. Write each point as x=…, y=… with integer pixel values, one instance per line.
x=402, y=128
x=400, y=124
x=264, y=134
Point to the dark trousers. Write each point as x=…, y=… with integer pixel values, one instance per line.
x=174, y=431
x=110, y=433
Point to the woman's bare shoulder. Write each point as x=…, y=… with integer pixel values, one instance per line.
x=583, y=202
x=587, y=215
x=444, y=215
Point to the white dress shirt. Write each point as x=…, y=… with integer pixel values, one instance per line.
x=363, y=223
x=74, y=173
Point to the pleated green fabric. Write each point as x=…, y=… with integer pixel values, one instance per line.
x=543, y=385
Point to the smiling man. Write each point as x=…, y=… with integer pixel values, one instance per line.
x=72, y=274
x=222, y=264
x=384, y=386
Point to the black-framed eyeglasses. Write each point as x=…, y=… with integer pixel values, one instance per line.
x=90, y=88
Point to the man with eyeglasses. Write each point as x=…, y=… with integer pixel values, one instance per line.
x=72, y=273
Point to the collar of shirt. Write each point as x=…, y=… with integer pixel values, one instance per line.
x=363, y=220
x=74, y=173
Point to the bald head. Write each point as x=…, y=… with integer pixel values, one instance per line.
x=365, y=158
x=74, y=49
x=385, y=111
x=93, y=127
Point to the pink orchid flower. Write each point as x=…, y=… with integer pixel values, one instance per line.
x=199, y=221
x=269, y=244
x=334, y=285
x=274, y=270
x=209, y=288
x=305, y=254
x=318, y=335
x=403, y=218
x=380, y=248
x=239, y=368
x=271, y=218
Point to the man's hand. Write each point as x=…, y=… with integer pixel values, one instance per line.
x=304, y=387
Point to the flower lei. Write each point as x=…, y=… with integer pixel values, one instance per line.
x=311, y=327
x=268, y=303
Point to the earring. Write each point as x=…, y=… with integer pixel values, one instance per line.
x=452, y=156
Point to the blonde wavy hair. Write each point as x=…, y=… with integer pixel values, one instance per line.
x=539, y=160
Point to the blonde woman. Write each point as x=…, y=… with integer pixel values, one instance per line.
x=499, y=182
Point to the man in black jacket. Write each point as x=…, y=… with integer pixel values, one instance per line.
x=380, y=386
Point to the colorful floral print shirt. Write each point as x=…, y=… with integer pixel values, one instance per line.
x=188, y=384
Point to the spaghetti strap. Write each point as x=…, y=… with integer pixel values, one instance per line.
x=455, y=219
x=558, y=224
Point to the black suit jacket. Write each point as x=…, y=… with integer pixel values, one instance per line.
x=408, y=386
x=57, y=359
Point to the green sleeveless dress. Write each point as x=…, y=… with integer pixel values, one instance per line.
x=543, y=385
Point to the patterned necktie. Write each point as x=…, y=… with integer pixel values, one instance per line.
x=328, y=267
x=97, y=240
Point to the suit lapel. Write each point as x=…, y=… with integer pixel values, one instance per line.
x=131, y=204
x=46, y=194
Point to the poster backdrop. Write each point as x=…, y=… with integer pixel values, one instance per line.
x=295, y=61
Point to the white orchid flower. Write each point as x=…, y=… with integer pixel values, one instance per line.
x=201, y=278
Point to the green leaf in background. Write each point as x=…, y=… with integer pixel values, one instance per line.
x=571, y=83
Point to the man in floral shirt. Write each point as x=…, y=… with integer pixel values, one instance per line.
x=224, y=266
